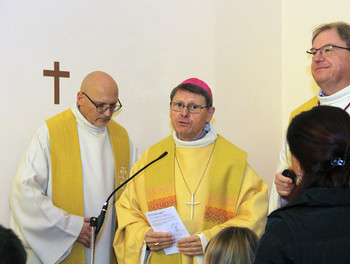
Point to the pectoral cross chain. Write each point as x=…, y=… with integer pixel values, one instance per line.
x=192, y=203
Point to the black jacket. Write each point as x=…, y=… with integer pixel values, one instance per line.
x=313, y=228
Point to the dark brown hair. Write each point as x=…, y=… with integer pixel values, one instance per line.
x=317, y=138
x=193, y=89
x=11, y=248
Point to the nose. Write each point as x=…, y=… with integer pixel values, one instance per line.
x=318, y=56
x=108, y=112
x=184, y=111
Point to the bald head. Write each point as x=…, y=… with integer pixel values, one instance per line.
x=101, y=88
x=96, y=80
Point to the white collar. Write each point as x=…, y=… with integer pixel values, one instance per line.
x=208, y=139
x=83, y=123
x=340, y=99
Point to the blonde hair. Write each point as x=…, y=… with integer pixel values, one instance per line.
x=232, y=245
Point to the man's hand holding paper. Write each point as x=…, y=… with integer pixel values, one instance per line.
x=159, y=240
x=166, y=224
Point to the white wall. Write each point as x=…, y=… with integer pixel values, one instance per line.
x=148, y=47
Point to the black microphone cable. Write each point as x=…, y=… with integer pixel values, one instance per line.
x=101, y=217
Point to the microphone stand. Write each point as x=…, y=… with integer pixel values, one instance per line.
x=96, y=223
x=93, y=223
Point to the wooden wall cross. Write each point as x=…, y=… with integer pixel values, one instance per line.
x=56, y=73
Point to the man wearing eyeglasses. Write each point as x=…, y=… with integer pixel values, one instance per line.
x=204, y=176
x=72, y=163
x=330, y=68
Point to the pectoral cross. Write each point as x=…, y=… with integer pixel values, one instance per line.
x=192, y=203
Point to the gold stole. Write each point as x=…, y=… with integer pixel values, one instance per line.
x=305, y=107
x=66, y=169
x=228, y=161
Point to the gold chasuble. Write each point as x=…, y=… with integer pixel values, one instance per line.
x=221, y=199
x=304, y=107
x=66, y=161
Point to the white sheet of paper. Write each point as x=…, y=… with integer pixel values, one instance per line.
x=168, y=220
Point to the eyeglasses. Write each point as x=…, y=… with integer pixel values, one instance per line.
x=101, y=109
x=192, y=108
x=325, y=50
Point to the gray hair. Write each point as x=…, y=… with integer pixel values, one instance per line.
x=342, y=28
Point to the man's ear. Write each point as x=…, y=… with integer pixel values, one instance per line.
x=211, y=111
x=80, y=98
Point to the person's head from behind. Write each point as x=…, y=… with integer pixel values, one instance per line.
x=11, y=248
x=98, y=98
x=191, y=108
x=330, y=65
x=319, y=141
x=232, y=245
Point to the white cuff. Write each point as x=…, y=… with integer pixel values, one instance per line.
x=204, y=242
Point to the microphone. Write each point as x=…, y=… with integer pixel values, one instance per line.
x=290, y=174
x=101, y=217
